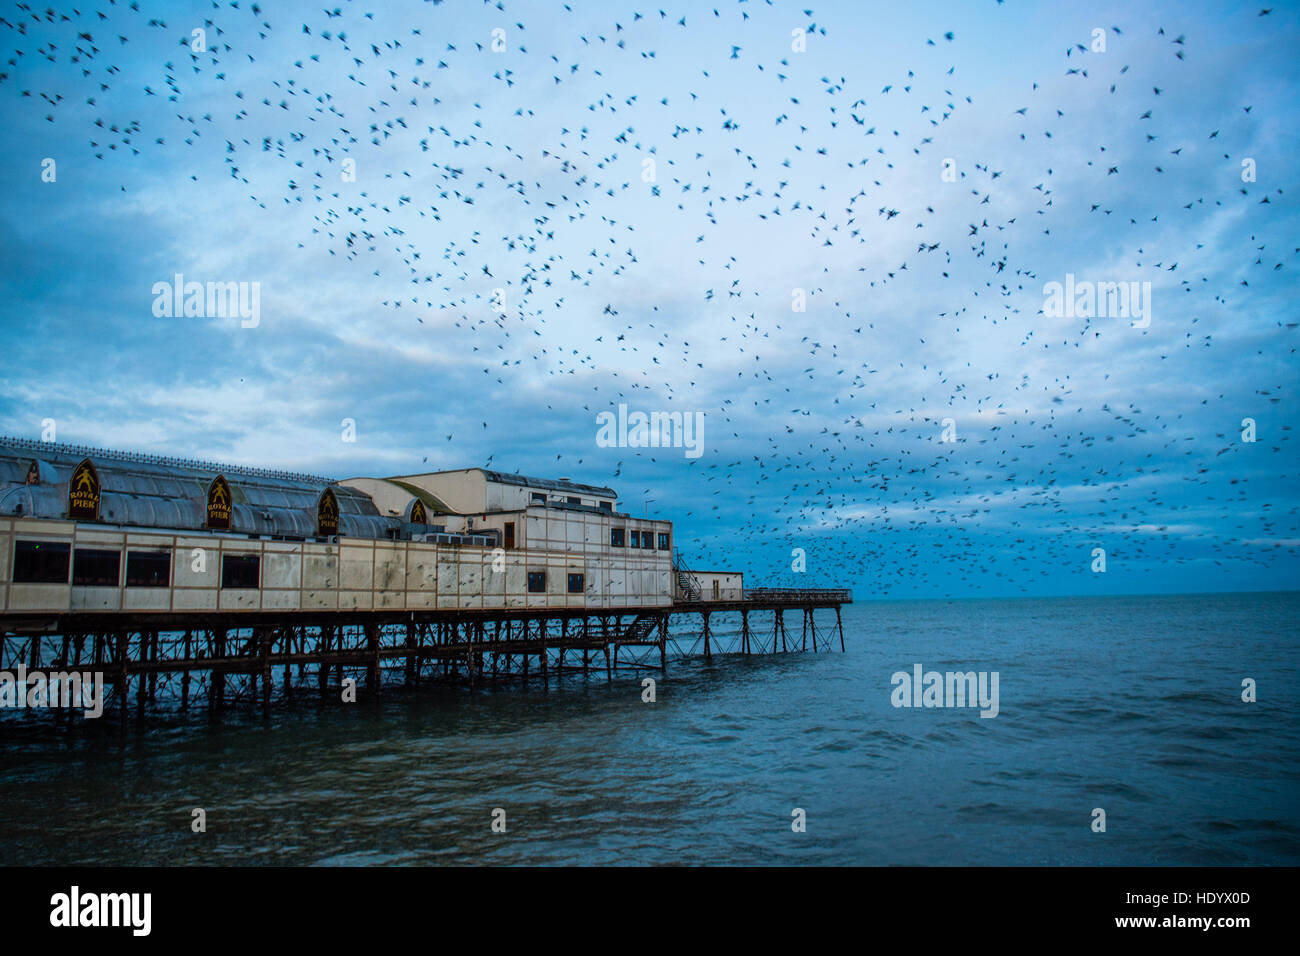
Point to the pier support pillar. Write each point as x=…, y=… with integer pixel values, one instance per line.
x=410, y=653
x=287, y=648
x=123, y=680
x=564, y=634
x=372, y=651
x=323, y=669
x=153, y=675
x=543, y=655
x=266, y=639
x=142, y=681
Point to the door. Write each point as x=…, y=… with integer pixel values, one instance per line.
x=715, y=589
x=510, y=534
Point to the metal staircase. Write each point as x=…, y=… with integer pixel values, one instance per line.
x=688, y=586
x=639, y=630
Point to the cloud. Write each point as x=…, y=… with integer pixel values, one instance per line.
x=517, y=179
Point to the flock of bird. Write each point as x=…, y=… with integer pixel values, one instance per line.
x=701, y=209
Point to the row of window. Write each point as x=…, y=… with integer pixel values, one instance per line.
x=538, y=498
x=48, y=562
x=537, y=582
x=639, y=539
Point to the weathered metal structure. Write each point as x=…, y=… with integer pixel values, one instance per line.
x=200, y=584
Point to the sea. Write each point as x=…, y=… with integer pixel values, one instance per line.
x=1138, y=707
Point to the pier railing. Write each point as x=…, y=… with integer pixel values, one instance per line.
x=767, y=596
x=799, y=595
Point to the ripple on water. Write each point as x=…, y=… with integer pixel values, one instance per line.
x=1151, y=729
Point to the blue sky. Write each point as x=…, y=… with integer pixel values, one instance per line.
x=777, y=174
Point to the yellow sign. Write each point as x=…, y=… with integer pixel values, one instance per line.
x=220, y=506
x=83, y=492
x=327, y=514
x=418, y=514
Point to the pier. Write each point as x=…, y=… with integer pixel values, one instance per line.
x=196, y=584
x=217, y=661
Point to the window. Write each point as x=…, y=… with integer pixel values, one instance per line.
x=148, y=569
x=573, y=500
x=606, y=506
x=41, y=562
x=240, y=570
x=537, y=582
x=92, y=567
x=636, y=540
x=616, y=537
x=663, y=541
x=575, y=584
x=538, y=498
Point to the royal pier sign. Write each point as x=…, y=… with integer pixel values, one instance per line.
x=83, y=492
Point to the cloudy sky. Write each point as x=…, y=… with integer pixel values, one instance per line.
x=473, y=227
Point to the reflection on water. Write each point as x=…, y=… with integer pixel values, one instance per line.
x=1129, y=704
